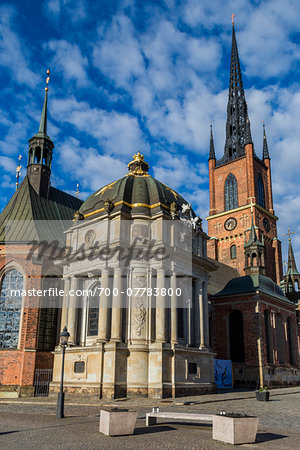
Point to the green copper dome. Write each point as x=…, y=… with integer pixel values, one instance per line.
x=136, y=194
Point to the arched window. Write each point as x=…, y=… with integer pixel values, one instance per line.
x=236, y=337
x=231, y=193
x=268, y=336
x=233, y=251
x=10, y=309
x=261, y=191
x=93, y=311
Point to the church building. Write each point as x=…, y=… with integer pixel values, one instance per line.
x=28, y=332
x=253, y=323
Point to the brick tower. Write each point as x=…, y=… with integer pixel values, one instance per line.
x=240, y=186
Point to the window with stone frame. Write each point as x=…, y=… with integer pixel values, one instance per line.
x=260, y=191
x=231, y=193
x=93, y=310
x=10, y=309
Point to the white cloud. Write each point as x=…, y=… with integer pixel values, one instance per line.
x=69, y=60
x=117, y=133
x=118, y=54
x=13, y=55
x=86, y=165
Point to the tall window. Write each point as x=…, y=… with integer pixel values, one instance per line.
x=93, y=311
x=233, y=251
x=290, y=334
x=236, y=337
x=268, y=336
x=231, y=193
x=280, y=339
x=48, y=332
x=261, y=191
x=10, y=309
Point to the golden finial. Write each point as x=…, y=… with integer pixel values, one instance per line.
x=77, y=190
x=47, y=80
x=138, y=166
x=289, y=233
x=18, y=171
x=138, y=157
x=232, y=18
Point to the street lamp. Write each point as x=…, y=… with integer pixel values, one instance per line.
x=63, y=340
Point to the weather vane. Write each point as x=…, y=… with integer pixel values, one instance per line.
x=77, y=190
x=47, y=80
x=232, y=18
x=289, y=233
x=18, y=171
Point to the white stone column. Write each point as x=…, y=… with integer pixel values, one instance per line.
x=160, y=308
x=72, y=311
x=103, y=309
x=199, y=294
x=116, y=317
x=64, y=311
x=174, y=336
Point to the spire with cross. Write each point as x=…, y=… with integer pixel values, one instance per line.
x=238, y=132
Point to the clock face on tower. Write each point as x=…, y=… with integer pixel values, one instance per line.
x=266, y=224
x=230, y=224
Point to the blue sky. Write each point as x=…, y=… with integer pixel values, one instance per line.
x=149, y=75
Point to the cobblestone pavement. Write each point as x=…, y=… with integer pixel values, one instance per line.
x=31, y=423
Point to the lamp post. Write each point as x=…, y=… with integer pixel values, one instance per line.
x=63, y=340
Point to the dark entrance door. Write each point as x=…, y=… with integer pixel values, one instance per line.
x=236, y=337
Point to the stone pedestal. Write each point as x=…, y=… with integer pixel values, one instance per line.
x=235, y=429
x=117, y=422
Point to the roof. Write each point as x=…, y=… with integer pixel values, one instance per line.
x=27, y=205
x=251, y=284
x=137, y=193
x=219, y=278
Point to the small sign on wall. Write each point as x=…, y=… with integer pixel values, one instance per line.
x=223, y=373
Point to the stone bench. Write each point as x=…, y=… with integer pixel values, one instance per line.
x=151, y=418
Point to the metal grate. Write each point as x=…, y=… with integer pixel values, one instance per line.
x=42, y=380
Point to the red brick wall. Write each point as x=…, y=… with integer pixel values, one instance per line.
x=253, y=325
x=245, y=169
x=17, y=365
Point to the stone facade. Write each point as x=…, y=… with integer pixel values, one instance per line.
x=138, y=347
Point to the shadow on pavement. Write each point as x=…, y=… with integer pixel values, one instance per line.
x=265, y=437
x=153, y=429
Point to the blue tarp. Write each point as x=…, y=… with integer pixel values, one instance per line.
x=223, y=373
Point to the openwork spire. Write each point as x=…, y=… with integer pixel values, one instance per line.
x=211, y=146
x=236, y=128
x=265, y=145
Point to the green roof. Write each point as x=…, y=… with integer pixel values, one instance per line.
x=251, y=284
x=133, y=195
x=26, y=208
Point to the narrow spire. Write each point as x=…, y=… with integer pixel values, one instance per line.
x=265, y=144
x=236, y=109
x=43, y=122
x=211, y=145
x=292, y=268
x=253, y=239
